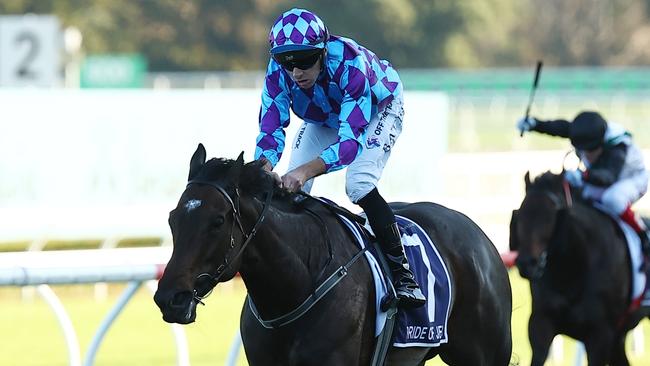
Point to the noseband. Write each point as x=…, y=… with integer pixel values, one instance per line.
x=236, y=218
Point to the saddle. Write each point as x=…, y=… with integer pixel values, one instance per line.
x=639, y=271
x=425, y=326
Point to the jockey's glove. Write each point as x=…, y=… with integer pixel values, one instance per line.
x=526, y=124
x=574, y=177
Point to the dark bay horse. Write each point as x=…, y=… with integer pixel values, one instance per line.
x=577, y=261
x=233, y=218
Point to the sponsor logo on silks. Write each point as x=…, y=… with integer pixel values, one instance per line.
x=299, y=138
x=372, y=142
x=379, y=128
x=391, y=142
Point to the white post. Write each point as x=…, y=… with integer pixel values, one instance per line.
x=180, y=340
x=71, y=341
x=108, y=321
x=557, y=349
x=234, y=350
x=580, y=353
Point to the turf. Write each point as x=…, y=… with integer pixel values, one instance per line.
x=139, y=336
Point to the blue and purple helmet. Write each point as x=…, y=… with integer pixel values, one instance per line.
x=297, y=29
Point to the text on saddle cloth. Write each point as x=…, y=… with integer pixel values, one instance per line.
x=425, y=326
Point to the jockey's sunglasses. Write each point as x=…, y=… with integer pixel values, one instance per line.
x=298, y=59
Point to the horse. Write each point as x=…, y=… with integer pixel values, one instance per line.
x=233, y=218
x=578, y=265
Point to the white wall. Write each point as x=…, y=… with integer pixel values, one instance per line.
x=90, y=163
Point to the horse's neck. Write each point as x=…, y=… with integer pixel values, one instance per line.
x=577, y=249
x=278, y=266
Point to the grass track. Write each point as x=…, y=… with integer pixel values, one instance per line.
x=31, y=335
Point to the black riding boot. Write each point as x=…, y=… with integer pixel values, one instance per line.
x=382, y=221
x=408, y=292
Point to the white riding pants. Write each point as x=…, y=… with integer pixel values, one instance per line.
x=619, y=195
x=363, y=173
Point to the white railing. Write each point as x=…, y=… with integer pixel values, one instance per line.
x=485, y=186
x=132, y=265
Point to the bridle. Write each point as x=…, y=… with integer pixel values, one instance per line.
x=236, y=219
x=558, y=204
x=315, y=296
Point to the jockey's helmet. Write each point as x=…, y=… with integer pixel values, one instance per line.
x=587, y=131
x=297, y=30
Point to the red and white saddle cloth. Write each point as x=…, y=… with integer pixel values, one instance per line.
x=639, y=296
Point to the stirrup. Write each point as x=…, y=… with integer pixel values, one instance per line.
x=409, y=302
x=411, y=297
x=388, y=301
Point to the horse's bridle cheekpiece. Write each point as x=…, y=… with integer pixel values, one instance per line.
x=234, y=204
x=317, y=294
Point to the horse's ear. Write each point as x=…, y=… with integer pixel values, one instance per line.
x=235, y=171
x=197, y=161
x=514, y=241
x=527, y=179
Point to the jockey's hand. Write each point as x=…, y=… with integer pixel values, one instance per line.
x=276, y=178
x=269, y=169
x=526, y=124
x=574, y=177
x=294, y=180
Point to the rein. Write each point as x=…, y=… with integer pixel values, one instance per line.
x=303, y=308
x=318, y=293
x=234, y=204
x=567, y=193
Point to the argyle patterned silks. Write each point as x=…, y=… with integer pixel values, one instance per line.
x=354, y=86
x=297, y=29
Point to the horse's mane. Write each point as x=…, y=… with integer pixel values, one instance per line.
x=550, y=182
x=253, y=179
x=547, y=181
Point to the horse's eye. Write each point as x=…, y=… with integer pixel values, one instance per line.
x=218, y=222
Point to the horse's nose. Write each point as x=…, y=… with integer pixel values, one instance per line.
x=526, y=265
x=525, y=261
x=172, y=300
x=160, y=299
x=181, y=300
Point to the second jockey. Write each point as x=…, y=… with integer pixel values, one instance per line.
x=615, y=174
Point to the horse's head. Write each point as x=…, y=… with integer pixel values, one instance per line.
x=533, y=225
x=208, y=236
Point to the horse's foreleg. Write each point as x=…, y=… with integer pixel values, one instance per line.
x=599, y=347
x=540, y=334
x=619, y=358
x=413, y=356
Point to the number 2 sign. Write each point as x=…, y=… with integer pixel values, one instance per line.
x=30, y=51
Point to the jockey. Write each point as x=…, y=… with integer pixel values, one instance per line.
x=615, y=173
x=351, y=105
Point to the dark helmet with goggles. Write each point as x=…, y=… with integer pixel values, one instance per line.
x=587, y=131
